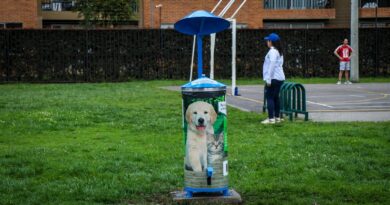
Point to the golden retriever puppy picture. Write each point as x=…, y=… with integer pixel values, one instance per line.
x=200, y=117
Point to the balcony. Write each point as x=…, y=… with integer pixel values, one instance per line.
x=374, y=9
x=59, y=10
x=53, y=5
x=374, y=3
x=65, y=10
x=297, y=4
x=299, y=9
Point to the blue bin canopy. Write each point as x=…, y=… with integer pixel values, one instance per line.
x=203, y=83
x=201, y=23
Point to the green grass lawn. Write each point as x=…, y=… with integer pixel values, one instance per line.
x=122, y=144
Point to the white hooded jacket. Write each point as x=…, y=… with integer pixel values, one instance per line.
x=273, y=66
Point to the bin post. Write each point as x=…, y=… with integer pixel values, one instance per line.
x=200, y=56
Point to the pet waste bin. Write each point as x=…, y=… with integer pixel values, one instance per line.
x=205, y=137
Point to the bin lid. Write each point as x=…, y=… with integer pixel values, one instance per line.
x=203, y=84
x=201, y=23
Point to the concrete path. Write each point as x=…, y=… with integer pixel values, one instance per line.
x=327, y=102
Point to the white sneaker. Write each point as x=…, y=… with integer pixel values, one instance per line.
x=338, y=83
x=349, y=82
x=268, y=121
x=278, y=119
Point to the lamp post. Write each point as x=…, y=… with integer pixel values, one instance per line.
x=355, y=40
x=376, y=38
x=159, y=6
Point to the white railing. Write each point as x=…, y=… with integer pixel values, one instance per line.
x=69, y=5
x=52, y=5
x=374, y=3
x=296, y=4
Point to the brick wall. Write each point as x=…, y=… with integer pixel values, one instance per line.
x=373, y=13
x=174, y=10
x=252, y=14
x=343, y=14
x=21, y=11
x=308, y=14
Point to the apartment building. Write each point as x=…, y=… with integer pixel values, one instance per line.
x=20, y=14
x=59, y=14
x=271, y=13
x=164, y=13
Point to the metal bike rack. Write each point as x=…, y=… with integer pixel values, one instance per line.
x=292, y=100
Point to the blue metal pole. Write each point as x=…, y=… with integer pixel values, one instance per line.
x=200, y=57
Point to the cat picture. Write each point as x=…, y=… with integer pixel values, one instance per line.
x=215, y=145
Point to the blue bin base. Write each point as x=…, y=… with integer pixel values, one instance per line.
x=224, y=191
x=180, y=197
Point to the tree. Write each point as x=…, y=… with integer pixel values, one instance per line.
x=105, y=12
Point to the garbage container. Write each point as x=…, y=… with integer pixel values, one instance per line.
x=205, y=137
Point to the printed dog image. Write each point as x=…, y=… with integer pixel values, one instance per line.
x=200, y=117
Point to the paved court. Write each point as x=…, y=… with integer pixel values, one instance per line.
x=327, y=102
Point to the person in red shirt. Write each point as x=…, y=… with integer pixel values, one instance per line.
x=344, y=52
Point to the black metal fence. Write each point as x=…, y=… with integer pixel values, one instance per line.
x=120, y=55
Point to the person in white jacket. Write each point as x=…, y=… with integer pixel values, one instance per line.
x=273, y=76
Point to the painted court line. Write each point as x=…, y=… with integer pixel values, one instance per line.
x=321, y=104
x=328, y=96
x=364, y=100
x=238, y=107
x=248, y=99
x=359, y=96
x=367, y=106
x=366, y=91
x=362, y=103
x=354, y=110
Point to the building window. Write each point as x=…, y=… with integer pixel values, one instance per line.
x=58, y=5
x=297, y=4
x=14, y=25
x=11, y=25
x=374, y=3
x=167, y=26
x=134, y=6
x=69, y=5
x=171, y=26
x=293, y=25
x=371, y=24
x=240, y=26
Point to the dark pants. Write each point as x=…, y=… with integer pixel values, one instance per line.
x=272, y=94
